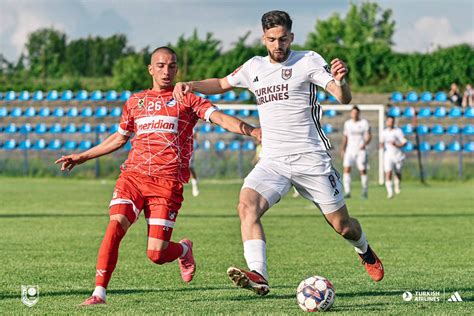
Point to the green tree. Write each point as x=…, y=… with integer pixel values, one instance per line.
x=363, y=39
x=46, y=52
x=195, y=56
x=131, y=73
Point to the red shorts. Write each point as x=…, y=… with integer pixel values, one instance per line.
x=159, y=198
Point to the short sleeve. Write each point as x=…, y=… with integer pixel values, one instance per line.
x=126, y=126
x=319, y=71
x=200, y=106
x=241, y=76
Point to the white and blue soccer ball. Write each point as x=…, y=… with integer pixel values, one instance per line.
x=315, y=294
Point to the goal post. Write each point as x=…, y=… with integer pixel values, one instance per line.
x=376, y=121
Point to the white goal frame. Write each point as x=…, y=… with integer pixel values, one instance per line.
x=379, y=108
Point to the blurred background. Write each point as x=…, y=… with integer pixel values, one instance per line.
x=67, y=67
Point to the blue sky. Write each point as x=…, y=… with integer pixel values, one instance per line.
x=422, y=25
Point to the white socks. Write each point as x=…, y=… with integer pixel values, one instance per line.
x=347, y=183
x=195, y=188
x=361, y=245
x=364, y=179
x=255, y=255
x=388, y=185
x=396, y=182
x=100, y=292
x=185, y=250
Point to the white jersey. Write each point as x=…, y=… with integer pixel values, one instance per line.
x=356, y=133
x=390, y=136
x=288, y=106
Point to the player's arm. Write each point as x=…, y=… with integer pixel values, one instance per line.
x=234, y=125
x=400, y=139
x=338, y=87
x=367, y=138
x=344, y=144
x=206, y=86
x=110, y=144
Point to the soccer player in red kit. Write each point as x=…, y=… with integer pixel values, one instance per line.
x=152, y=177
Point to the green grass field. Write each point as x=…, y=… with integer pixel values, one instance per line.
x=51, y=230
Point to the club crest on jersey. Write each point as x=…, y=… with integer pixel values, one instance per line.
x=171, y=215
x=286, y=73
x=171, y=103
x=326, y=67
x=141, y=103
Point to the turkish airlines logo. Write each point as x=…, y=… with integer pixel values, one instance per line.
x=159, y=123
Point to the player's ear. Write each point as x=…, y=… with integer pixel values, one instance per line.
x=292, y=37
x=263, y=39
x=150, y=70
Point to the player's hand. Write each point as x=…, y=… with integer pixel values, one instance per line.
x=338, y=69
x=257, y=133
x=70, y=161
x=362, y=147
x=180, y=90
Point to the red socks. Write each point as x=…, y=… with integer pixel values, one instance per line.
x=108, y=253
x=171, y=253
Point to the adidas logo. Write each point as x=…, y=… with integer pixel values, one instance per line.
x=455, y=297
x=255, y=79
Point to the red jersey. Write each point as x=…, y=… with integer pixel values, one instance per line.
x=163, y=128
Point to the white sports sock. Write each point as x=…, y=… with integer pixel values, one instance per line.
x=100, y=292
x=255, y=255
x=347, y=182
x=185, y=250
x=388, y=185
x=364, y=179
x=361, y=245
x=396, y=182
x=194, y=183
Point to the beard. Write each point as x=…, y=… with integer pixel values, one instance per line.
x=280, y=56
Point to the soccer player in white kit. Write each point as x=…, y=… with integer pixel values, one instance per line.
x=355, y=140
x=294, y=147
x=393, y=141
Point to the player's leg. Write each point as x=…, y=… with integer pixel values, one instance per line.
x=346, y=177
x=362, y=165
x=163, y=200
x=194, y=181
x=388, y=165
x=397, y=177
x=160, y=248
x=320, y=183
x=124, y=209
x=350, y=229
x=263, y=187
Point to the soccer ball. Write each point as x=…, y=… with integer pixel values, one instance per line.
x=315, y=294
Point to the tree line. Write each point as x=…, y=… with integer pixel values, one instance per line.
x=363, y=38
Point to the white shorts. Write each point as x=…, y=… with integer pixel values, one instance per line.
x=392, y=162
x=359, y=158
x=312, y=174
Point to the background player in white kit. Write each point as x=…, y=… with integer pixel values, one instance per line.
x=294, y=147
x=356, y=138
x=393, y=141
